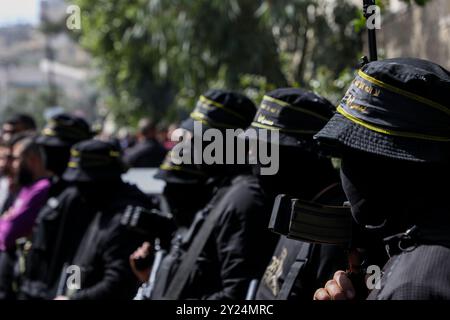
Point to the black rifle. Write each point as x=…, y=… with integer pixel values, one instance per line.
x=311, y=222
x=371, y=32
x=321, y=224
x=150, y=223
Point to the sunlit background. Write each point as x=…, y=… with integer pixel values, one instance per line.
x=19, y=12
x=150, y=57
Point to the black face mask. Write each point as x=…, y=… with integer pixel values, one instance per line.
x=185, y=200
x=24, y=175
x=56, y=159
x=99, y=193
x=300, y=173
x=221, y=169
x=380, y=190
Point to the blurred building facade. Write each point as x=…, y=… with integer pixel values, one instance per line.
x=414, y=31
x=27, y=69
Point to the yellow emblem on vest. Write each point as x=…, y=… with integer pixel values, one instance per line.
x=274, y=272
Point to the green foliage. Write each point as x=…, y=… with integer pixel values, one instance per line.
x=156, y=56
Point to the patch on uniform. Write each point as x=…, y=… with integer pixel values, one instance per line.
x=274, y=272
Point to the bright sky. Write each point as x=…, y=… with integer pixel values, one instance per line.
x=19, y=11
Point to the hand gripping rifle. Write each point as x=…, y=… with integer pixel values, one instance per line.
x=313, y=222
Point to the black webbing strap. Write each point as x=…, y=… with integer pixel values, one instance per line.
x=181, y=276
x=294, y=271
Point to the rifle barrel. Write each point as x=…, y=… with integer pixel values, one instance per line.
x=372, y=37
x=371, y=33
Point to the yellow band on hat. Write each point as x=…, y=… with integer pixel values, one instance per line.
x=211, y=102
x=74, y=153
x=197, y=116
x=388, y=131
x=405, y=93
x=287, y=105
x=113, y=154
x=207, y=101
x=274, y=128
x=48, y=132
x=72, y=164
x=171, y=167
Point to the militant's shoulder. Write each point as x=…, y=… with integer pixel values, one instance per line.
x=70, y=192
x=65, y=198
x=132, y=195
x=243, y=195
x=68, y=199
x=420, y=274
x=245, y=187
x=133, y=207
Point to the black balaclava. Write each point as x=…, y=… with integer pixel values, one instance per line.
x=24, y=175
x=56, y=159
x=392, y=195
x=185, y=200
x=219, y=170
x=301, y=172
x=99, y=194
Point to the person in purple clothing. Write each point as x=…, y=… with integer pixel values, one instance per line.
x=28, y=166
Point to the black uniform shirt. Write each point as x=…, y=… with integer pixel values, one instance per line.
x=58, y=231
x=239, y=246
x=103, y=254
x=421, y=274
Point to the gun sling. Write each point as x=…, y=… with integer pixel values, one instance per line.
x=294, y=271
x=181, y=276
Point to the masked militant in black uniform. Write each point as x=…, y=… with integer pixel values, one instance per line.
x=62, y=221
x=298, y=267
x=392, y=130
x=187, y=190
x=102, y=257
x=220, y=252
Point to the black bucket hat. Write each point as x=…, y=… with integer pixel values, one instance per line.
x=94, y=160
x=295, y=113
x=397, y=108
x=221, y=109
x=64, y=130
x=180, y=173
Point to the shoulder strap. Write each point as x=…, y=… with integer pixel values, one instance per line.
x=323, y=192
x=181, y=276
x=294, y=271
x=146, y=290
x=302, y=256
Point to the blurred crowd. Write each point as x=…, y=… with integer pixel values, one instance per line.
x=32, y=163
